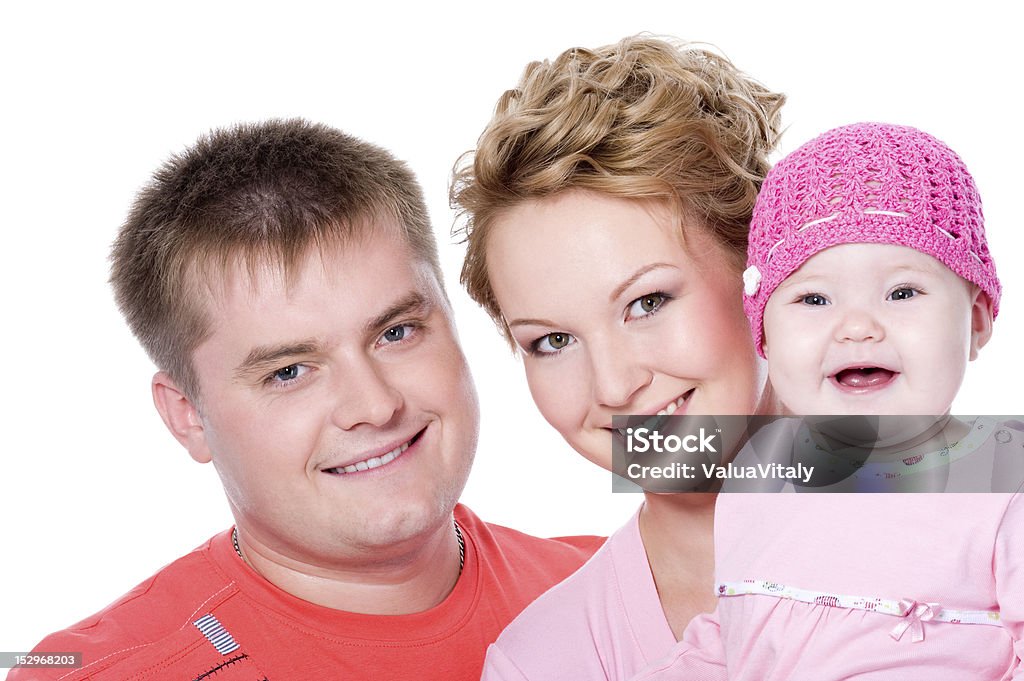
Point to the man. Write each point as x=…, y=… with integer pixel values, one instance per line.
x=284, y=278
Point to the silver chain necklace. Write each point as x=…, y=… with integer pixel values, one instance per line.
x=458, y=536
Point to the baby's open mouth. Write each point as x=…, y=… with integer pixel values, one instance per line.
x=860, y=378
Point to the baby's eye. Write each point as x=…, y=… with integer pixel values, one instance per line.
x=645, y=305
x=904, y=293
x=552, y=343
x=814, y=299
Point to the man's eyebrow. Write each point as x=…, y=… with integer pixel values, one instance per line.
x=268, y=355
x=413, y=302
x=264, y=356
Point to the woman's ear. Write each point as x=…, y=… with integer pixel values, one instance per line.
x=181, y=416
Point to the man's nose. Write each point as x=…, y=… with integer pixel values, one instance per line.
x=365, y=395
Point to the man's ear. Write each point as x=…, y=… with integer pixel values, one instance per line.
x=181, y=416
x=981, y=321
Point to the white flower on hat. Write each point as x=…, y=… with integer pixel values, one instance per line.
x=751, y=280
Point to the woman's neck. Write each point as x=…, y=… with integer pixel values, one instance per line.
x=678, y=535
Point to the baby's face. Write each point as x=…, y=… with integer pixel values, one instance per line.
x=872, y=329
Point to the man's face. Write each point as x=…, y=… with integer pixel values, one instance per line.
x=336, y=405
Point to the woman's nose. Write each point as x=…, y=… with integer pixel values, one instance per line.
x=619, y=374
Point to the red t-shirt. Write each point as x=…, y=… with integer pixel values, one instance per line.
x=209, y=616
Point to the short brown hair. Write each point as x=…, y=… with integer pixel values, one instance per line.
x=252, y=193
x=645, y=118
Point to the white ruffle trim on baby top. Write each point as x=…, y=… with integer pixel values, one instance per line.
x=913, y=613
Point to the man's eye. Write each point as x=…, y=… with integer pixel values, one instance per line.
x=552, y=343
x=815, y=299
x=645, y=305
x=902, y=294
x=288, y=373
x=396, y=334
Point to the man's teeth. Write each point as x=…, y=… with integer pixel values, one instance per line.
x=375, y=462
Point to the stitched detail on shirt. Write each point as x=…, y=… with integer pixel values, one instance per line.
x=187, y=622
x=222, y=665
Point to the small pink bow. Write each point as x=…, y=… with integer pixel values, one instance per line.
x=914, y=615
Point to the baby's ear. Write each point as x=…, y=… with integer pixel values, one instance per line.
x=981, y=321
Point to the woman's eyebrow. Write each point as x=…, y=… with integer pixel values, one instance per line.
x=619, y=290
x=531, y=322
x=633, y=278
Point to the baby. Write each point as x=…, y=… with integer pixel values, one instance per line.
x=869, y=288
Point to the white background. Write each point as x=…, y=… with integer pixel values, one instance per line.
x=96, y=495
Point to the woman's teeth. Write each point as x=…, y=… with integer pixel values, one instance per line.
x=671, y=408
x=655, y=422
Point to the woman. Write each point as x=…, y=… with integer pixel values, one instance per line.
x=607, y=206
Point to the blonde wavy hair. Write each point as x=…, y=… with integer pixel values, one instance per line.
x=646, y=118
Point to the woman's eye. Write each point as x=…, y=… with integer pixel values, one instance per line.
x=552, y=343
x=904, y=293
x=641, y=307
x=814, y=299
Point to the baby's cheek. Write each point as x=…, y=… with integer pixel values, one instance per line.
x=794, y=385
x=953, y=364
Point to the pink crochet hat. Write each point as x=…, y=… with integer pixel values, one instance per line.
x=865, y=183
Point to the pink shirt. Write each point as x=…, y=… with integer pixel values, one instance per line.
x=935, y=553
x=603, y=622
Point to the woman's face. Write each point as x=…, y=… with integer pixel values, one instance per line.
x=615, y=314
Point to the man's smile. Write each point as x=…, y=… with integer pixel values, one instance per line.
x=377, y=460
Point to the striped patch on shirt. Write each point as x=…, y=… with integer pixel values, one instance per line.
x=216, y=634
